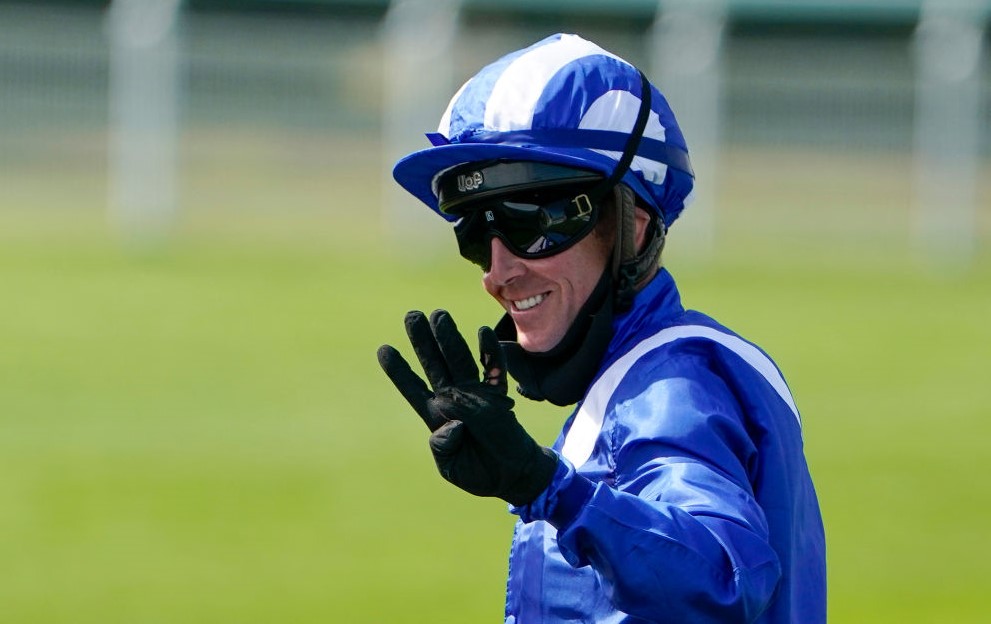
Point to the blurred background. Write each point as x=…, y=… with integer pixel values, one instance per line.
x=201, y=247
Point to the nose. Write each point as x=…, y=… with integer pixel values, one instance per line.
x=505, y=266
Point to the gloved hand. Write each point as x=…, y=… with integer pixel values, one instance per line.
x=476, y=441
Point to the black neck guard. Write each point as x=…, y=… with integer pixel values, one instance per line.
x=563, y=374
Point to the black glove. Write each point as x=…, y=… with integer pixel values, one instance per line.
x=476, y=440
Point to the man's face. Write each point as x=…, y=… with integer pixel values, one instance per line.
x=543, y=295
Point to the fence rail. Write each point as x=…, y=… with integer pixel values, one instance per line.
x=859, y=76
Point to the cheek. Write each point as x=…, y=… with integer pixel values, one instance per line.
x=493, y=291
x=587, y=267
x=584, y=288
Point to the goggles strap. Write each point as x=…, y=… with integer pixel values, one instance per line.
x=629, y=267
x=624, y=270
x=632, y=144
x=624, y=248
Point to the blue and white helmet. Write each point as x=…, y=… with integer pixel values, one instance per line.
x=566, y=101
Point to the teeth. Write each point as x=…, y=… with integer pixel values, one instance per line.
x=531, y=302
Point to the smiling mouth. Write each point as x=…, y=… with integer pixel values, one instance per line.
x=530, y=302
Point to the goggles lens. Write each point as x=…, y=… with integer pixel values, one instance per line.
x=535, y=225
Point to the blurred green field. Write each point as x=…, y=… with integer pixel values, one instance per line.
x=201, y=433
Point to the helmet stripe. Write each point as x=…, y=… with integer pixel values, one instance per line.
x=523, y=83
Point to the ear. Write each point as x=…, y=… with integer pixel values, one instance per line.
x=641, y=218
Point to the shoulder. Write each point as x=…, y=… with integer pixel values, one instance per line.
x=690, y=342
x=666, y=379
x=694, y=348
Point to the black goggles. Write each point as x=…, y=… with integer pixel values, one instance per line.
x=535, y=224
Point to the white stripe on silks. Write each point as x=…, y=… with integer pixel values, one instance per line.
x=585, y=428
x=511, y=104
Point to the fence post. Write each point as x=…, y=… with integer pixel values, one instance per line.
x=686, y=42
x=948, y=46
x=144, y=93
x=418, y=42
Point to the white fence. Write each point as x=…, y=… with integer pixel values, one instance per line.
x=858, y=82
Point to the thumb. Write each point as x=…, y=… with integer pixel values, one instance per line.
x=493, y=359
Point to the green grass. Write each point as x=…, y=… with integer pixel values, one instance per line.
x=200, y=433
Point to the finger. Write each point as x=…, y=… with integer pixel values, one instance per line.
x=409, y=384
x=427, y=351
x=493, y=358
x=460, y=361
x=447, y=440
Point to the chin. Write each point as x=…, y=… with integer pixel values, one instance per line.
x=537, y=342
